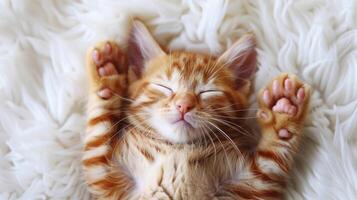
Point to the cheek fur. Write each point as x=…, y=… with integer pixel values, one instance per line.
x=219, y=106
x=155, y=105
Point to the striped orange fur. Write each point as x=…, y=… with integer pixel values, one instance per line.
x=171, y=126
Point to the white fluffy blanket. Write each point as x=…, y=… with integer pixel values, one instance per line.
x=43, y=82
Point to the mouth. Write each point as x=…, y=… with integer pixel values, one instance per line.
x=183, y=122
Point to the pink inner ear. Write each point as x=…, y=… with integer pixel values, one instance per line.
x=135, y=57
x=241, y=58
x=141, y=47
x=244, y=68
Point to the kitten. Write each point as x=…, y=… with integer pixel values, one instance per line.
x=169, y=126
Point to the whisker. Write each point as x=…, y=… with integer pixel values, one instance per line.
x=224, y=149
x=121, y=97
x=234, y=127
x=225, y=116
x=226, y=136
x=211, y=140
x=234, y=110
x=222, y=118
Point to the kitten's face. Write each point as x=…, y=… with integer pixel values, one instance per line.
x=184, y=96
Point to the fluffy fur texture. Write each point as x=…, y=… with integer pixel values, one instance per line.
x=181, y=116
x=43, y=81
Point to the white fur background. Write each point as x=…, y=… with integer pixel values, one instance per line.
x=43, y=82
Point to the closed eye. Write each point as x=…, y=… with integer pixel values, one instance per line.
x=206, y=91
x=209, y=93
x=163, y=88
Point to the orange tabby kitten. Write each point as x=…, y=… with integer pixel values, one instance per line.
x=170, y=126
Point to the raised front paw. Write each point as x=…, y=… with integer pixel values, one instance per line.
x=107, y=69
x=283, y=104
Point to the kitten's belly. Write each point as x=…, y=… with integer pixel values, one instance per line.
x=174, y=178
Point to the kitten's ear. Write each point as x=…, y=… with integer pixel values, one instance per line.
x=242, y=59
x=141, y=47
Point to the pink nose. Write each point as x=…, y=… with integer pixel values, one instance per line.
x=184, y=107
x=184, y=103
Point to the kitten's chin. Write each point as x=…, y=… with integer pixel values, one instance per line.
x=180, y=132
x=173, y=130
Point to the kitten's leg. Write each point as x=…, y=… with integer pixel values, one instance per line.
x=107, y=73
x=283, y=106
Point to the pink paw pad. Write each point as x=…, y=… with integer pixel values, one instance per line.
x=104, y=59
x=108, y=48
x=105, y=93
x=284, y=97
x=267, y=98
x=283, y=105
x=107, y=70
x=288, y=86
x=263, y=115
x=300, y=95
x=96, y=56
x=276, y=88
x=284, y=134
